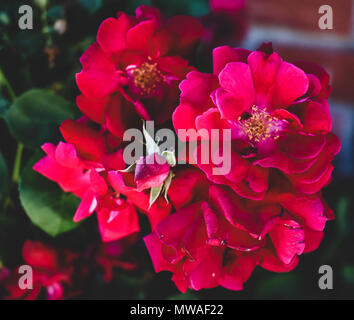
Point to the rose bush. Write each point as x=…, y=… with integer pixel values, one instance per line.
x=207, y=229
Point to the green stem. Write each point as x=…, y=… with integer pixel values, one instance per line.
x=5, y=82
x=20, y=146
x=17, y=164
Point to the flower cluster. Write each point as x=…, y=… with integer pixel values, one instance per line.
x=58, y=273
x=130, y=74
x=207, y=229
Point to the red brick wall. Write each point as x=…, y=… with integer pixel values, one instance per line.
x=301, y=14
x=302, y=39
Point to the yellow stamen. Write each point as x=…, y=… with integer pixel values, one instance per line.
x=146, y=77
x=260, y=125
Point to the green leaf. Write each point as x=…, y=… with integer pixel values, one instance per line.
x=13, y=232
x=170, y=157
x=129, y=169
x=55, y=13
x=48, y=207
x=4, y=18
x=4, y=104
x=348, y=273
x=3, y=176
x=342, y=218
x=35, y=116
x=184, y=296
x=167, y=184
x=279, y=286
x=41, y=3
x=154, y=194
x=91, y=5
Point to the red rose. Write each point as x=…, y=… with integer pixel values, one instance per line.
x=134, y=68
x=277, y=114
x=52, y=271
x=219, y=241
x=80, y=167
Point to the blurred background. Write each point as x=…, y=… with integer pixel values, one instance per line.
x=47, y=57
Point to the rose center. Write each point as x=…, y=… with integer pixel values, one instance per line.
x=146, y=77
x=258, y=125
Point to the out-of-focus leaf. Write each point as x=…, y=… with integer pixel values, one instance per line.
x=91, y=5
x=194, y=8
x=55, y=13
x=48, y=207
x=30, y=44
x=198, y=8
x=348, y=273
x=4, y=18
x=184, y=296
x=133, y=4
x=342, y=218
x=4, y=105
x=41, y=3
x=3, y=176
x=35, y=116
x=279, y=286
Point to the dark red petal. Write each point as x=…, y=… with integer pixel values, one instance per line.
x=87, y=206
x=211, y=119
x=196, y=89
x=314, y=187
x=302, y=146
x=271, y=262
x=236, y=78
x=312, y=239
x=264, y=69
x=174, y=66
x=38, y=255
x=172, y=229
x=89, y=143
x=139, y=37
x=154, y=247
x=96, y=84
x=318, y=169
x=93, y=108
x=291, y=83
x=208, y=272
x=111, y=35
x=288, y=238
x=184, y=119
x=188, y=30
x=230, y=106
x=320, y=73
x=225, y=54
x=117, y=224
x=98, y=77
x=237, y=271
x=309, y=209
x=282, y=162
x=315, y=116
x=189, y=185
